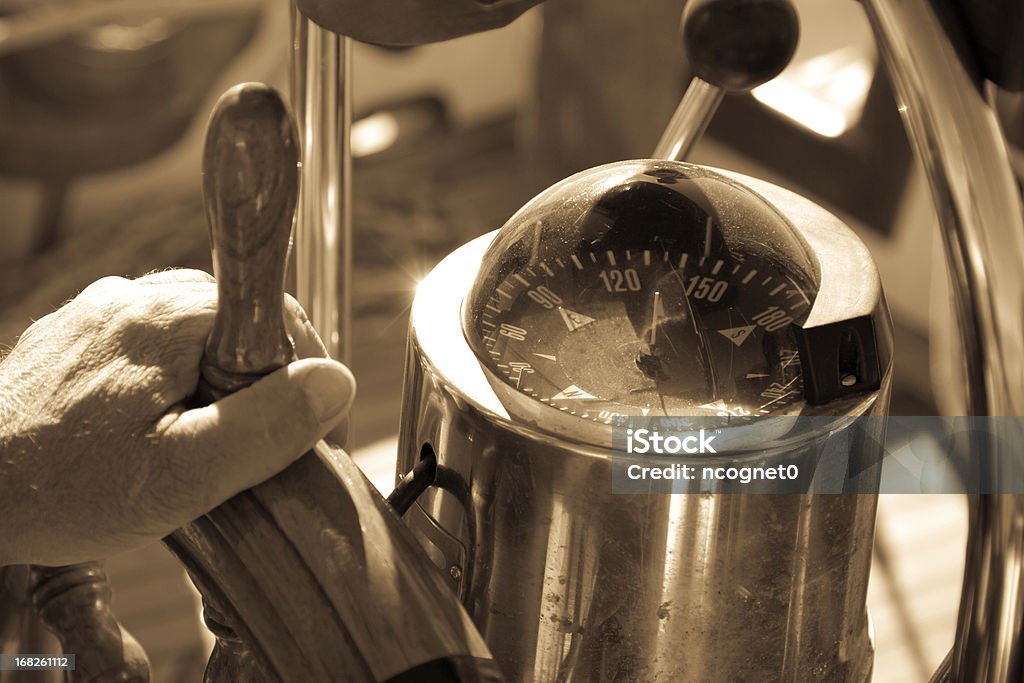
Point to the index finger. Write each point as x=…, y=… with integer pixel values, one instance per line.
x=305, y=339
x=308, y=344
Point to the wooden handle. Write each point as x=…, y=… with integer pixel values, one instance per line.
x=250, y=187
x=309, y=576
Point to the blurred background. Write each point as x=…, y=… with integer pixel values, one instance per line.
x=103, y=105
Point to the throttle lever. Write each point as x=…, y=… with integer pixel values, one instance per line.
x=309, y=576
x=731, y=46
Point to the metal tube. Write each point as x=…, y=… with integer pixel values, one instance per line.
x=322, y=246
x=957, y=138
x=690, y=120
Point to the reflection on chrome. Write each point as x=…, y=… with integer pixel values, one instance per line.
x=958, y=141
x=322, y=248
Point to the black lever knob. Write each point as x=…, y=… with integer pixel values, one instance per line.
x=731, y=45
x=739, y=44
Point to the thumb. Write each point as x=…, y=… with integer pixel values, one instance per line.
x=247, y=437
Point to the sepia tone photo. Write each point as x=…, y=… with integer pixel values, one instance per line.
x=525, y=341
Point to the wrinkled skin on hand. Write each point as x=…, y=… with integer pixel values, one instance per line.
x=98, y=452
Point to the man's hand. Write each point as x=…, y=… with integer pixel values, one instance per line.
x=97, y=450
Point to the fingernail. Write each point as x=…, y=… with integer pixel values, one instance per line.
x=329, y=389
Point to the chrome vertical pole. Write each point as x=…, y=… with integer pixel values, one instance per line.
x=957, y=138
x=322, y=243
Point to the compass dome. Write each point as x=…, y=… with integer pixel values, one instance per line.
x=642, y=204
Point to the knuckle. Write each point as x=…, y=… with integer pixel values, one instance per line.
x=196, y=274
x=102, y=301
x=105, y=284
x=177, y=275
x=171, y=311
